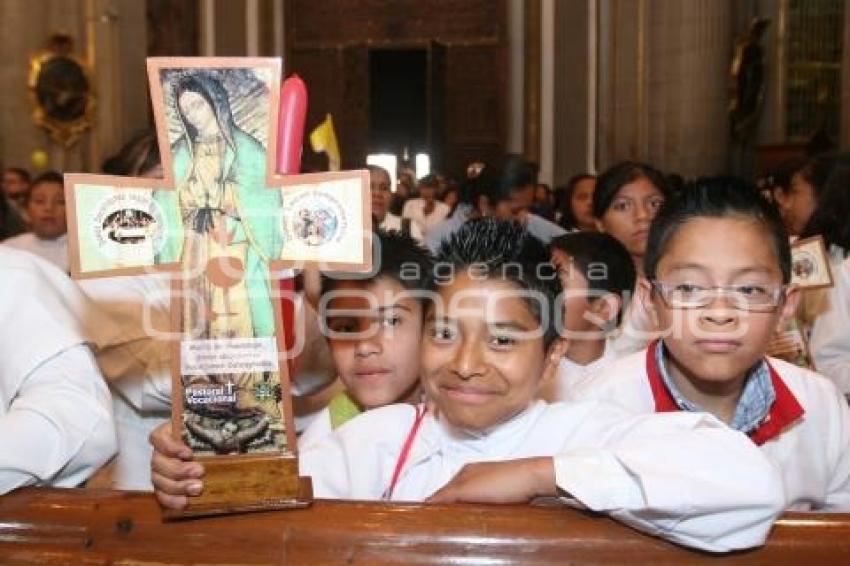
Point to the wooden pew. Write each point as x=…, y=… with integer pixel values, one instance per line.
x=53, y=526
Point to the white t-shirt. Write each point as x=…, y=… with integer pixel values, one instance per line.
x=54, y=251
x=137, y=368
x=684, y=476
x=572, y=377
x=830, y=341
x=415, y=210
x=56, y=424
x=393, y=222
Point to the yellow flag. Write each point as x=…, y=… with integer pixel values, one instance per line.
x=323, y=138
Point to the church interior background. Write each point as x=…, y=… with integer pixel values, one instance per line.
x=574, y=86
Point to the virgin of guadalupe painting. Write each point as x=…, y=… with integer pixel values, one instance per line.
x=217, y=119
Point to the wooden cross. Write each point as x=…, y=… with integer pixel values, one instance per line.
x=222, y=222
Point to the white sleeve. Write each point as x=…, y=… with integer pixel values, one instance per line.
x=327, y=463
x=416, y=233
x=59, y=427
x=838, y=493
x=407, y=209
x=829, y=341
x=319, y=429
x=356, y=461
x=686, y=477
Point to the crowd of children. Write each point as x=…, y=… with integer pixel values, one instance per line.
x=620, y=365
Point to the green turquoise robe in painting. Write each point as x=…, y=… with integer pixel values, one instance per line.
x=243, y=170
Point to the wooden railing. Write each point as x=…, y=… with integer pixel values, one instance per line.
x=53, y=526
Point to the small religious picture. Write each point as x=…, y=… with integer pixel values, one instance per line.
x=118, y=226
x=326, y=221
x=810, y=264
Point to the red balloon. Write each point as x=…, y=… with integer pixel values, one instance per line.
x=290, y=136
x=290, y=126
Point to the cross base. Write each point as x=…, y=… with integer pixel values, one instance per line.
x=245, y=483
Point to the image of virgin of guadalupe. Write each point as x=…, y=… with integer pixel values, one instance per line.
x=229, y=234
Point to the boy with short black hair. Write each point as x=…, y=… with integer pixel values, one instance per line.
x=48, y=235
x=718, y=267
x=598, y=276
x=374, y=329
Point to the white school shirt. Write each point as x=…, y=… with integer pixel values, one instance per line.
x=829, y=342
x=571, y=376
x=812, y=450
x=56, y=425
x=54, y=251
x=683, y=476
x=415, y=210
x=137, y=368
x=636, y=330
x=393, y=222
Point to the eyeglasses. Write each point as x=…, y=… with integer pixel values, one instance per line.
x=756, y=298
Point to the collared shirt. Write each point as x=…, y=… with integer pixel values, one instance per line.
x=447, y=227
x=393, y=222
x=753, y=406
x=603, y=456
x=55, y=251
x=415, y=210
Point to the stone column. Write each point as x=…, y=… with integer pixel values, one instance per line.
x=532, y=69
x=663, y=83
x=845, y=81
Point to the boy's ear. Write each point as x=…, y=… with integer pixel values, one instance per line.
x=604, y=309
x=789, y=308
x=556, y=351
x=599, y=226
x=643, y=294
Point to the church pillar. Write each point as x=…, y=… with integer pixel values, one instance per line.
x=845, y=80
x=516, y=72
x=663, y=83
x=566, y=114
x=690, y=46
x=532, y=71
x=574, y=53
x=116, y=47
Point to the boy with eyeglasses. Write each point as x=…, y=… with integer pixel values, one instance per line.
x=718, y=267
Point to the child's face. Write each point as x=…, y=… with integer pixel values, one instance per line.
x=477, y=367
x=427, y=192
x=381, y=195
x=15, y=187
x=381, y=365
x=630, y=213
x=798, y=204
x=46, y=209
x=581, y=202
x=718, y=344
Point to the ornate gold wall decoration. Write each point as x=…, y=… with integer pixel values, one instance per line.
x=61, y=88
